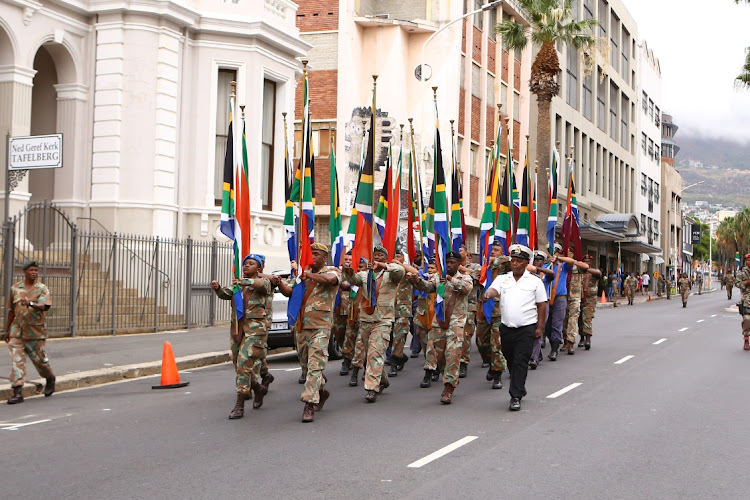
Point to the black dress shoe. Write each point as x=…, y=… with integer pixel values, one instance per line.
x=515, y=404
x=462, y=370
x=533, y=364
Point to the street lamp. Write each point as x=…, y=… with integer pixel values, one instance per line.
x=674, y=260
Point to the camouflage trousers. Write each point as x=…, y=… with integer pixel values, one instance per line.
x=488, y=342
x=35, y=349
x=685, y=294
x=570, y=326
x=434, y=358
x=449, y=343
x=350, y=340
x=339, y=329
x=401, y=328
x=630, y=292
x=312, y=346
x=423, y=334
x=249, y=357
x=587, y=316
x=375, y=336
x=469, y=329
x=745, y=323
x=729, y=291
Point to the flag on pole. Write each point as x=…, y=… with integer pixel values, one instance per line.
x=334, y=224
x=487, y=230
x=363, y=242
x=291, y=190
x=390, y=233
x=381, y=213
x=352, y=228
x=526, y=231
x=570, y=231
x=552, y=218
x=416, y=210
x=458, y=225
x=439, y=212
x=504, y=229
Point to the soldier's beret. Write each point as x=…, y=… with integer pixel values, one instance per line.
x=381, y=249
x=260, y=259
x=587, y=256
x=453, y=255
x=497, y=242
x=30, y=263
x=464, y=247
x=747, y=256
x=520, y=251
x=319, y=246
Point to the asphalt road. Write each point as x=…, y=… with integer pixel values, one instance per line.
x=668, y=422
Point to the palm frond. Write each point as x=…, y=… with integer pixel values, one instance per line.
x=742, y=82
x=513, y=34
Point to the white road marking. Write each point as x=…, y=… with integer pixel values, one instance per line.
x=621, y=361
x=441, y=452
x=292, y=369
x=8, y=426
x=713, y=315
x=106, y=409
x=563, y=390
x=700, y=321
x=682, y=329
x=659, y=341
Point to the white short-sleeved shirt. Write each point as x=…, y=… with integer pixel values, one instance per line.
x=646, y=279
x=518, y=299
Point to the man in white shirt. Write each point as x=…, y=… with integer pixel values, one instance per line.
x=523, y=306
x=646, y=281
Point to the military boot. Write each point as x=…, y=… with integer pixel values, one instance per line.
x=371, y=396
x=49, y=387
x=427, y=380
x=302, y=378
x=308, y=414
x=746, y=347
x=353, y=382
x=496, y=382
x=490, y=374
x=324, y=395
x=393, y=372
x=402, y=362
x=345, y=365
x=267, y=379
x=239, y=408
x=462, y=370
x=582, y=342
x=259, y=390
x=587, y=343
x=17, y=396
x=446, y=397
x=436, y=374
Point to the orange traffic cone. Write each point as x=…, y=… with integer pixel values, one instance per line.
x=170, y=379
x=604, y=298
x=649, y=297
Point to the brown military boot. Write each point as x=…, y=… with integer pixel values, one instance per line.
x=49, y=387
x=746, y=347
x=17, y=396
x=267, y=379
x=371, y=396
x=259, y=390
x=447, y=396
x=324, y=395
x=587, y=343
x=308, y=415
x=239, y=408
x=582, y=342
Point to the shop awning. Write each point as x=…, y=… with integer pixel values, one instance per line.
x=639, y=247
x=593, y=232
x=625, y=224
x=658, y=260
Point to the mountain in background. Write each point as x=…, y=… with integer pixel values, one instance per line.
x=722, y=165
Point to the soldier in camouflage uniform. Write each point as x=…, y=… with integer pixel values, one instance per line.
x=402, y=324
x=314, y=326
x=743, y=283
x=250, y=345
x=26, y=331
x=575, y=294
x=423, y=319
x=540, y=259
x=589, y=287
x=457, y=287
x=352, y=347
x=631, y=283
x=475, y=271
x=659, y=285
x=488, y=334
x=341, y=315
x=375, y=322
x=730, y=281
x=683, y=285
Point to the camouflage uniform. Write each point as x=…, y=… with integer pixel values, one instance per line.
x=659, y=285
x=375, y=326
x=730, y=282
x=449, y=334
x=249, y=351
x=28, y=332
x=743, y=275
x=340, y=317
x=352, y=326
x=684, y=286
x=475, y=271
x=573, y=313
x=631, y=283
x=590, y=288
x=314, y=330
x=424, y=322
x=488, y=334
x=403, y=318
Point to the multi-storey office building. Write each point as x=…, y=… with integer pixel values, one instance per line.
x=671, y=208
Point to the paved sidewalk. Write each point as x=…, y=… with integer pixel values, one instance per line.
x=85, y=361
x=641, y=298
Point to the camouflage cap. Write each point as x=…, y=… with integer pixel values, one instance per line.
x=319, y=246
x=381, y=249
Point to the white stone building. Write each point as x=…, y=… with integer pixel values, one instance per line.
x=140, y=91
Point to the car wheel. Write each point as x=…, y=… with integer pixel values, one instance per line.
x=334, y=349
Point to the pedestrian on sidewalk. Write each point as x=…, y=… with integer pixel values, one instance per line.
x=248, y=334
x=523, y=304
x=646, y=282
x=26, y=331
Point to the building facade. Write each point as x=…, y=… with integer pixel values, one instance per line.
x=671, y=208
x=355, y=39
x=140, y=92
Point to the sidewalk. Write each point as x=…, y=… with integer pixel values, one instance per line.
x=641, y=298
x=86, y=361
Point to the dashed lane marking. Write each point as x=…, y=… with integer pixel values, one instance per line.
x=700, y=321
x=442, y=452
x=10, y=426
x=563, y=390
x=682, y=329
x=713, y=315
x=621, y=361
x=659, y=341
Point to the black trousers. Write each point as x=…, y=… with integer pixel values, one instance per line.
x=517, y=345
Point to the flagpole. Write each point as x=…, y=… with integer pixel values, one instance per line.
x=417, y=188
x=374, y=136
x=302, y=165
x=287, y=178
x=509, y=179
x=232, y=97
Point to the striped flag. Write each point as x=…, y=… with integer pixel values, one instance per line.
x=458, y=225
x=439, y=212
x=416, y=210
x=363, y=242
x=390, y=234
x=504, y=229
x=526, y=232
x=552, y=219
x=487, y=230
x=381, y=213
x=291, y=190
x=334, y=224
x=352, y=228
x=570, y=230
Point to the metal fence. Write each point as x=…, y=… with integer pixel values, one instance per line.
x=108, y=283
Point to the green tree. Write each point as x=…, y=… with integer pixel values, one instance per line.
x=700, y=251
x=550, y=21
x=733, y=235
x=743, y=80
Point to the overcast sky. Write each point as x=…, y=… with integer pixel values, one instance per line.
x=700, y=46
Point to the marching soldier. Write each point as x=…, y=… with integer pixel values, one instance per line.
x=575, y=294
x=375, y=322
x=249, y=334
x=590, y=287
x=424, y=316
x=402, y=324
x=341, y=318
x=730, y=281
x=488, y=334
x=26, y=331
x=540, y=259
x=684, y=287
x=314, y=326
x=743, y=283
x=631, y=283
x=474, y=270
x=450, y=330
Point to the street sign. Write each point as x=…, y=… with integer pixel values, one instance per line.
x=37, y=151
x=695, y=234
x=656, y=275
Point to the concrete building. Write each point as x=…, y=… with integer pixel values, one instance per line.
x=140, y=91
x=671, y=191
x=648, y=159
x=355, y=39
x=595, y=113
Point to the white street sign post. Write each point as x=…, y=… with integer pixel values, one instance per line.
x=31, y=152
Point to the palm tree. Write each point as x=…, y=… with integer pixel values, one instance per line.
x=743, y=80
x=549, y=21
x=733, y=234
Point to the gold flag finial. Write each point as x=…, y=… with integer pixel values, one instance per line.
x=242, y=108
x=233, y=84
x=434, y=93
